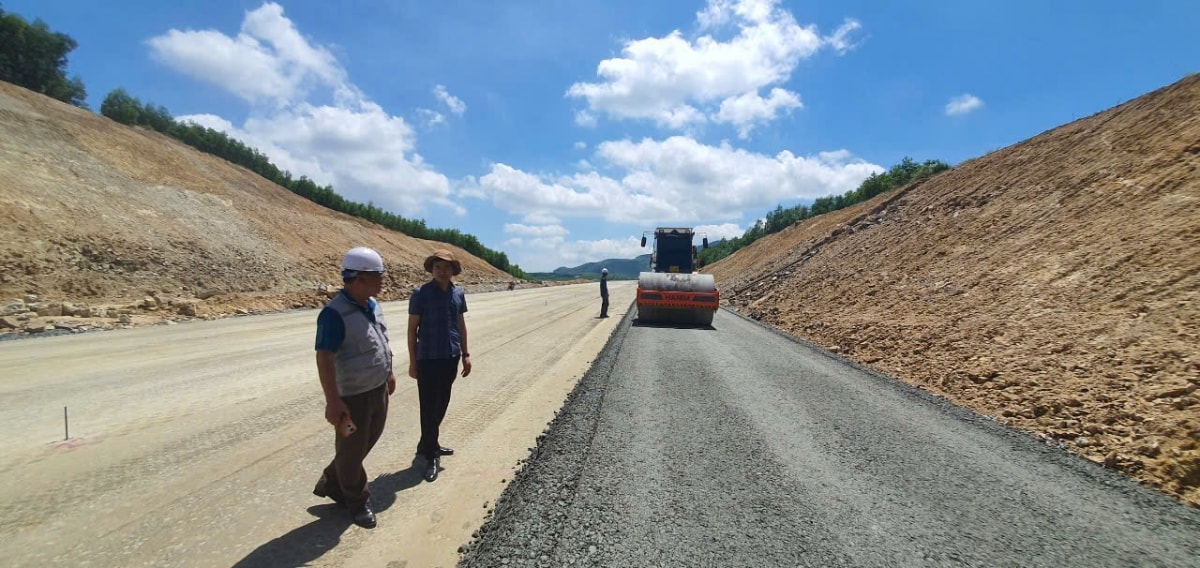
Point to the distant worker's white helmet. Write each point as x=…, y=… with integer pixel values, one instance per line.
x=363, y=259
x=603, y=271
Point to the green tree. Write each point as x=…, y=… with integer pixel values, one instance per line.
x=121, y=107
x=34, y=57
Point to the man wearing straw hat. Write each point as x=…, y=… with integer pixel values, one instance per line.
x=437, y=341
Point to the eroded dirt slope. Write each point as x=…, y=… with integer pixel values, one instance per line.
x=125, y=224
x=1053, y=285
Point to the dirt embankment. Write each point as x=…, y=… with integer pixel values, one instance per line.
x=105, y=225
x=1053, y=285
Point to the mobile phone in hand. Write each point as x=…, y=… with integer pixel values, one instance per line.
x=347, y=427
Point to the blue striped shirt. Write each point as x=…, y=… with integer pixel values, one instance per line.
x=438, y=336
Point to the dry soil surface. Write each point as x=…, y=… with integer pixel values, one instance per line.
x=199, y=444
x=1053, y=285
x=103, y=225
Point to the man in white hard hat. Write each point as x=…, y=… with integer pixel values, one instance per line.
x=437, y=341
x=603, y=292
x=354, y=363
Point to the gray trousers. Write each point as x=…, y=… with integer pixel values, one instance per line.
x=345, y=478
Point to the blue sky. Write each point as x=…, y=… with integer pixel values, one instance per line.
x=558, y=130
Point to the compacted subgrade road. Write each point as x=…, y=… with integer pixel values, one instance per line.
x=738, y=446
x=199, y=444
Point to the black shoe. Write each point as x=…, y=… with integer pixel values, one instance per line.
x=364, y=516
x=431, y=469
x=444, y=451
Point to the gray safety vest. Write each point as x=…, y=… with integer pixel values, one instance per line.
x=364, y=359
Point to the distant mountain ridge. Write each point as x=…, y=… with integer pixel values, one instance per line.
x=618, y=269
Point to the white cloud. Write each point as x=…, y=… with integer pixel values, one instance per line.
x=541, y=218
x=431, y=117
x=535, y=230
x=268, y=61
x=714, y=15
x=351, y=143
x=841, y=40
x=468, y=186
x=585, y=119
x=748, y=109
x=717, y=232
x=208, y=121
x=522, y=193
x=580, y=145
x=452, y=102
x=677, y=82
x=963, y=104
x=677, y=180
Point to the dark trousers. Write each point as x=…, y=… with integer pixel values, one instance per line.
x=603, y=306
x=345, y=479
x=434, y=379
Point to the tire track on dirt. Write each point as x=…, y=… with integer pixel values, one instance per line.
x=120, y=481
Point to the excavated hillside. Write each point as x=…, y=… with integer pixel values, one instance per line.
x=105, y=225
x=1053, y=285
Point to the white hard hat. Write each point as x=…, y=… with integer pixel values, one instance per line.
x=603, y=271
x=363, y=259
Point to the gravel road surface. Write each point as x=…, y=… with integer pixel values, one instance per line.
x=738, y=446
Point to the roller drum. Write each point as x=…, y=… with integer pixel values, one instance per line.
x=677, y=282
x=668, y=282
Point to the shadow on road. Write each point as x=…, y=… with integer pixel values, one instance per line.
x=640, y=323
x=302, y=545
x=386, y=486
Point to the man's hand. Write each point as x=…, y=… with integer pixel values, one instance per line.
x=466, y=361
x=334, y=411
x=391, y=382
x=412, y=369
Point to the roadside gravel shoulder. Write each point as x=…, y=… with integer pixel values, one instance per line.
x=523, y=524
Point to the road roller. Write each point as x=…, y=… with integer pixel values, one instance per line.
x=673, y=292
